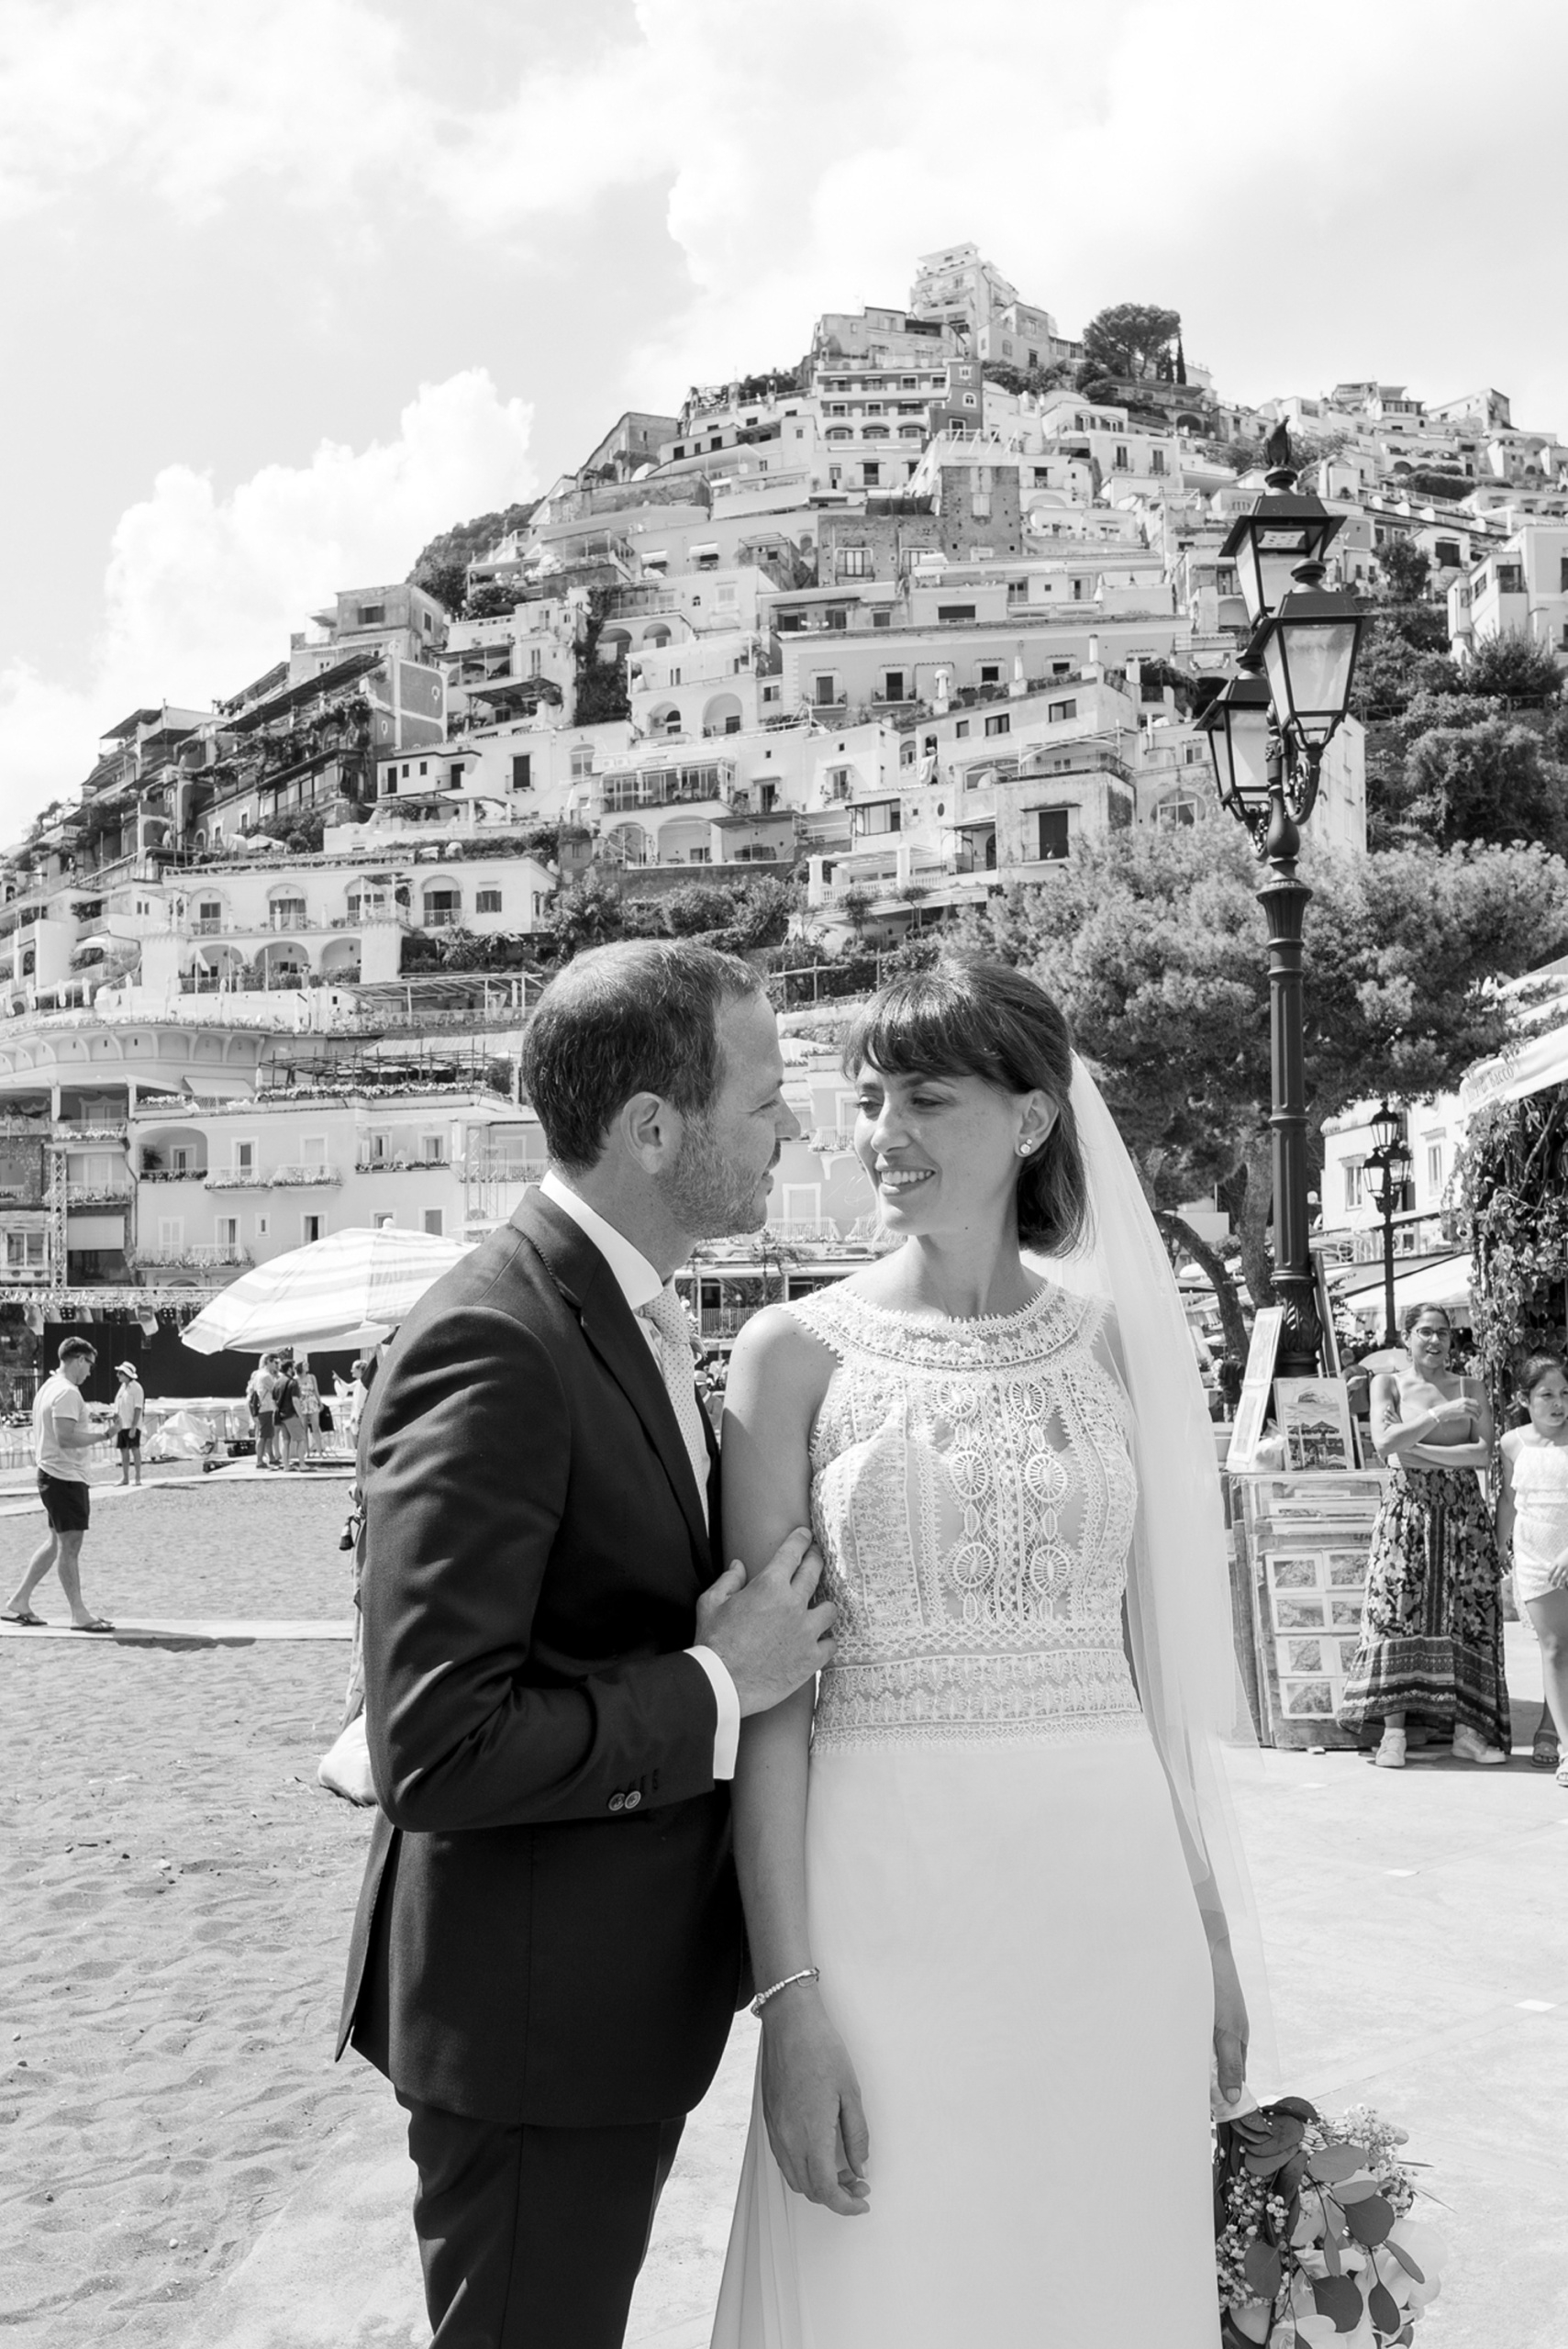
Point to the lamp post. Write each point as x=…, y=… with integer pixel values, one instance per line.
x=1268, y=729
x=1390, y=1162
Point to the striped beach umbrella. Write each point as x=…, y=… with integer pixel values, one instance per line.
x=350, y=1289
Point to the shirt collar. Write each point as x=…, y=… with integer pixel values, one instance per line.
x=635, y=1276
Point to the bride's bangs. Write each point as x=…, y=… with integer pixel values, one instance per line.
x=927, y=1024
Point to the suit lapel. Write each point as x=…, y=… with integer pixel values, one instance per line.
x=610, y=1327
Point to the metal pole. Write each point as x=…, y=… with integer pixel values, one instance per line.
x=1385, y=1199
x=1284, y=901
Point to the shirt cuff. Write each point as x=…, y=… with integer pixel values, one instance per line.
x=726, y=1736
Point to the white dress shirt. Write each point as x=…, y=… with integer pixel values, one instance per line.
x=640, y=1285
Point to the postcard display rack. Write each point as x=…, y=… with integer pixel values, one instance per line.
x=1305, y=1540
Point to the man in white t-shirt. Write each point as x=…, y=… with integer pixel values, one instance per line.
x=130, y=1404
x=63, y=1436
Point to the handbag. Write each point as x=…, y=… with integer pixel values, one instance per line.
x=345, y=1769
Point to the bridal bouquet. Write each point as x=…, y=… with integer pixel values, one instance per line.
x=1314, y=2240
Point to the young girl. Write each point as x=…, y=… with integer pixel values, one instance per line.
x=1533, y=1511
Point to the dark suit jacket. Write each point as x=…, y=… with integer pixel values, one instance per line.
x=550, y=1926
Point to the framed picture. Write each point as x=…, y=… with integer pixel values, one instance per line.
x=1314, y=1416
x=1253, y=1408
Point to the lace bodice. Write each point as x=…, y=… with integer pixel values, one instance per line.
x=973, y=1495
x=1541, y=1502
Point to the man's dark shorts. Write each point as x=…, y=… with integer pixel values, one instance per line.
x=129, y=1439
x=65, y=1503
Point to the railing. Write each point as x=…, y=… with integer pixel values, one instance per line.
x=726, y=1321
x=443, y=917
x=173, y=1175
x=113, y=1191
x=505, y=1170
x=402, y=1164
x=204, y=1253
x=277, y=1177
x=675, y=787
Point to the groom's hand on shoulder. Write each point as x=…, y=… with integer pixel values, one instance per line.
x=764, y=1629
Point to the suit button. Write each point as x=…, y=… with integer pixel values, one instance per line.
x=617, y=1802
x=633, y=1799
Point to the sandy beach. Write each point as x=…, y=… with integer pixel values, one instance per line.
x=177, y=1894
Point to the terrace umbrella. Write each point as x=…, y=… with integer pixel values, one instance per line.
x=352, y=1287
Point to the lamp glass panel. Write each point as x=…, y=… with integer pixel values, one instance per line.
x=1248, y=733
x=1219, y=756
x=1385, y=1128
x=1267, y=559
x=1308, y=664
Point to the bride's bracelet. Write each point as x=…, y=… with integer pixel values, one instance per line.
x=811, y=1974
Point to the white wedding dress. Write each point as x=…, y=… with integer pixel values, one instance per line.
x=998, y=1897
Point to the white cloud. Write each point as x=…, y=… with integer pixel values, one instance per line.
x=202, y=589
x=189, y=99
x=1321, y=196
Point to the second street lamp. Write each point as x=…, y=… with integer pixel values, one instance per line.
x=1267, y=735
x=1389, y=1162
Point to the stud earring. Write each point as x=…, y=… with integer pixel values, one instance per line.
x=1025, y=1148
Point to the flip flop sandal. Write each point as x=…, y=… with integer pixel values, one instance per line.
x=1544, y=1753
x=27, y=1620
x=91, y=1627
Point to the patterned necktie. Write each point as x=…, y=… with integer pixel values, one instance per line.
x=673, y=1325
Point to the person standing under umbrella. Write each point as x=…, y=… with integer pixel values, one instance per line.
x=309, y=1406
x=290, y=1425
x=260, y=1391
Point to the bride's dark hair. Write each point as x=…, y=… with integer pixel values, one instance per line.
x=985, y=1020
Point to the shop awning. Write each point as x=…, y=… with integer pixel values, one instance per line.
x=1447, y=1284
x=1513, y=1076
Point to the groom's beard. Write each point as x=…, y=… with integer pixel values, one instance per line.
x=709, y=1196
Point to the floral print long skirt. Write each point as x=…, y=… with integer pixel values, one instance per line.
x=1431, y=1636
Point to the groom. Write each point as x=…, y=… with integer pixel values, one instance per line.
x=548, y=1949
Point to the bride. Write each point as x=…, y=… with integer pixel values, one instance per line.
x=986, y=1870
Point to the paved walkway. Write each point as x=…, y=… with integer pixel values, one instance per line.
x=1414, y=1931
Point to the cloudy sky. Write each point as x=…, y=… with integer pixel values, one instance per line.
x=291, y=285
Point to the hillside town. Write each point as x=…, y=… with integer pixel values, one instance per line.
x=821, y=662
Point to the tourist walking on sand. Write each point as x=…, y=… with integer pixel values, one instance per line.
x=1532, y=1513
x=130, y=1406
x=1431, y=1639
x=62, y=1435
x=261, y=1388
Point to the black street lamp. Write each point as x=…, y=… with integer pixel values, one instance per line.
x=1268, y=729
x=1389, y=1162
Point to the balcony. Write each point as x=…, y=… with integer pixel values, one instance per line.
x=201, y=1257
x=684, y=784
x=273, y=1178
x=106, y=1191
x=401, y=1164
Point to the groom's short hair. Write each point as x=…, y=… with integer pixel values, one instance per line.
x=640, y=1017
